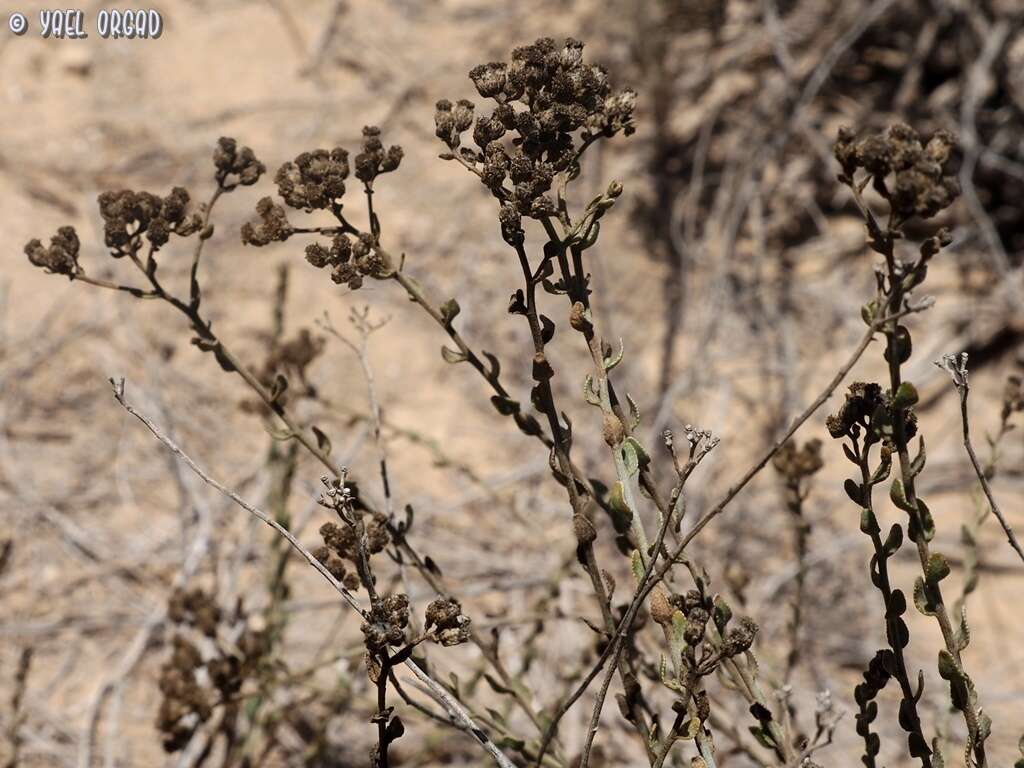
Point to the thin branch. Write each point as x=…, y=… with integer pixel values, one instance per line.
x=763, y=462
x=957, y=368
x=443, y=697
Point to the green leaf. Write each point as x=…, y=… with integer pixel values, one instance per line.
x=894, y=540
x=547, y=329
x=898, y=603
x=452, y=356
x=613, y=360
x=918, y=463
x=984, y=727
x=906, y=396
x=630, y=459
x=591, y=236
x=882, y=472
x=899, y=496
x=278, y=388
x=869, y=311
x=763, y=738
x=495, y=369
x=927, y=523
x=511, y=743
x=963, y=632
x=902, y=345
x=642, y=457
x=634, y=412
x=450, y=310
x=948, y=669
x=278, y=434
x=589, y=393
x=868, y=522
x=663, y=673
x=322, y=441
x=617, y=500
x=916, y=745
x=496, y=686
x=855, y=491
x=690, y=729
x=937, y=569
x=922, y=598
x=636, y=564
x=678, y=627
x=722, y=613
x=506, y=406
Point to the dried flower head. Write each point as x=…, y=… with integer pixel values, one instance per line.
x=797, y=463
x=314, y=180
x=909, y=173
x=61, y=257
x=446, y=622
x=740, y=637
x=196, y=608
x=232, y=161
x=273, y=225
x=386, y=622
x=374, y=160
x=550, y=106
x=867, y=408
x=128, y=215
x=197, y=676
x=343, y=542
x=861, y=402
x=339, y=252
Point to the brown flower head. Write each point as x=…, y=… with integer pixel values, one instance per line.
x=232, y=161
x=61, y=257
x=910, y=173
x=313, y=180
x=549, y=106
x=272, y=226
x=386, y=622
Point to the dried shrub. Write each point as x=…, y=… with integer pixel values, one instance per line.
x=676, y=646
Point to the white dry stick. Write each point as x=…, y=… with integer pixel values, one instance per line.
x=956, y=367
x=440, y=695
x=134, y=653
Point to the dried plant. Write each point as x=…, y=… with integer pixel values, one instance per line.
x=676, y=651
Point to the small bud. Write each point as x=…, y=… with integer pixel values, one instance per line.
x=612, y=430
x=739, y=639
x=583, y=529
x=661, y=609
x=578, y=317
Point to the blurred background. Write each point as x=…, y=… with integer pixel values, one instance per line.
x=733, y=268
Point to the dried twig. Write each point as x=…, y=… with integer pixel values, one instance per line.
x=956, y=366
x=445, y=699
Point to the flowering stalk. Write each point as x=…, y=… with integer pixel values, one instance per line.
x=910, y=176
